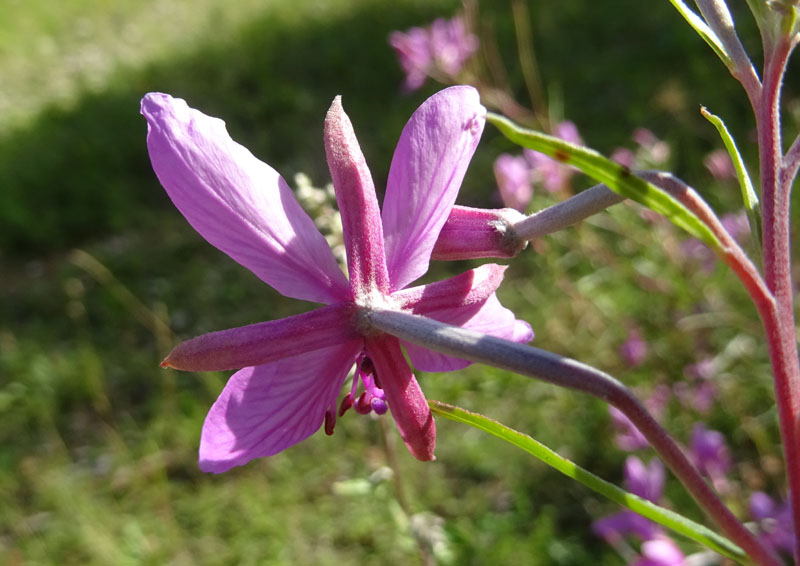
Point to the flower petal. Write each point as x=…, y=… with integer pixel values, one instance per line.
x=264, y=342
x=238, y=203
x=265, y=409
x=405, y=398
x=490, y=318
x=468, y=288
x=358, y=205
x=428, y=166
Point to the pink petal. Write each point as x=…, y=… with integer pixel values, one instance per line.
x=405, y=398
x=456, y=299
x=469, y=288
x=264, y=342
x=490, y=318
x=358, y=205
x=265, y=409
x=428, y=166
x=660, y=552
x=238, y=203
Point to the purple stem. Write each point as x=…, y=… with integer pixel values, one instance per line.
x=569, y=373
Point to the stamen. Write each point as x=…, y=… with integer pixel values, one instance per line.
x=372, y=398
x=364, y=406
x=346, y=403
x=330, y=421
x=379, y=406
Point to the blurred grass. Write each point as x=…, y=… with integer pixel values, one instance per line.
x=98, y=445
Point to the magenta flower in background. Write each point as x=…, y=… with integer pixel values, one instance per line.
x=293, y=369
x=414, y=55
x=634, y=349
x=699, y=391
x=646, y=481
x=441, y=50
x=551, y=174
x=513, y=175
x=698, y=396
x=661, y=551
x=452, y=45
x=710, y=454
x=774, y=522
x=653, y=152
x=650, y=153
x=737, y=225
x=719, y=164
x=623, y=156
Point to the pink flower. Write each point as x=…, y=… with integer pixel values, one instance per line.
x=552, y=174
x=653, y=151
x=774, y=522
x=709, y=451
x=414, y=55
x=623, y=156
x=441, y=50
x=513, y=175
x=661, y=551
x=719, y=164
x=452, y=45
x=646, y=481
x=634, y=349
x=293, y=369
x=737, y=225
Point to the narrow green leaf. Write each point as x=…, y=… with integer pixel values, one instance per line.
x=749, y=196
x=702, y=29
x=615, y=176
x=665, y=517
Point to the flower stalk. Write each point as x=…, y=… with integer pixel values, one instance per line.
x=781, y=339
x=571, y=374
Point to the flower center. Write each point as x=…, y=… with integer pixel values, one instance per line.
x=371, y=399
x=366, y=301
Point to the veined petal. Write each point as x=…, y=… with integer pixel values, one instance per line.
x=428, y=166
x=358, y=205
x=238, y=203
x=467, y=289
x=264, y=342
x=490, y=318
x=265, y=409
x=403, y=394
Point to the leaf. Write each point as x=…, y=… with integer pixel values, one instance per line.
x=749, y=196
x=705, y=32
x=664, y=517
x=615, y=176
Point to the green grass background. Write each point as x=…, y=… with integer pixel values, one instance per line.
x=98, y=444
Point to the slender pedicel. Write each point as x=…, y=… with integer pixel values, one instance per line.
x=565, y=372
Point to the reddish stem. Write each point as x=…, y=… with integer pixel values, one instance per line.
x=564, y=372
x=777, y=267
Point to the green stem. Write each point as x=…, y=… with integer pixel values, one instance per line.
x=665, y=517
